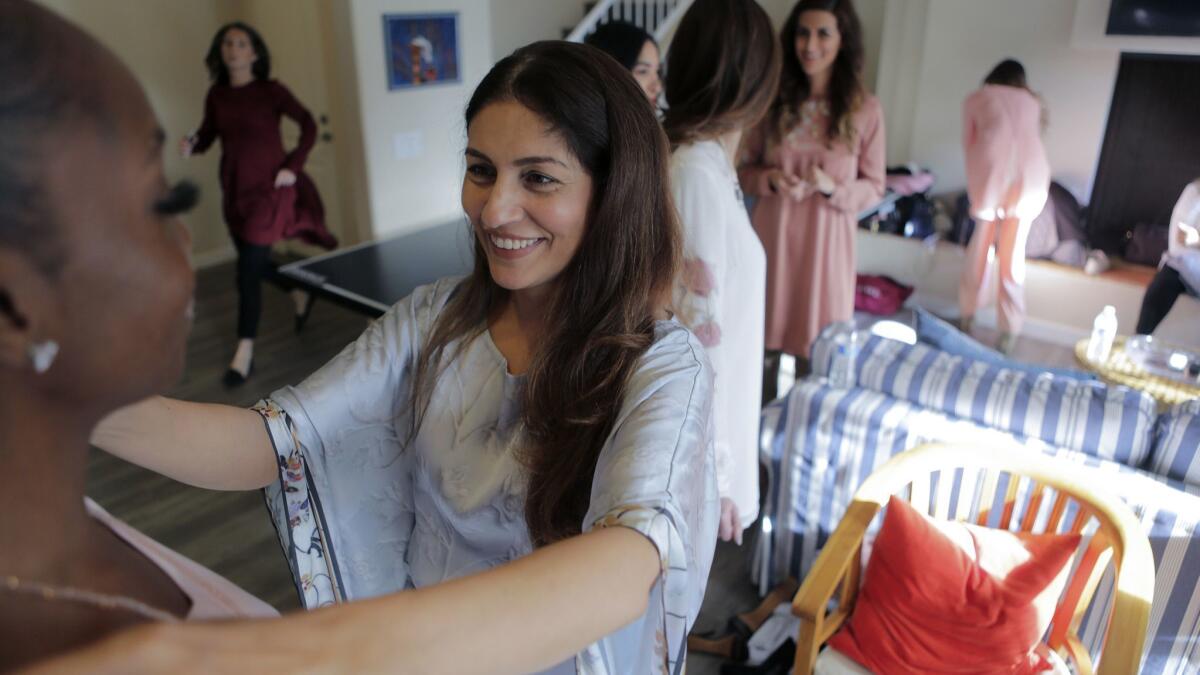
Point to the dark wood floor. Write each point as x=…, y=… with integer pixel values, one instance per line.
x=230, y=532
x=226, y=531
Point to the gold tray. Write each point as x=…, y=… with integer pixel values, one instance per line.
x=1121, y=370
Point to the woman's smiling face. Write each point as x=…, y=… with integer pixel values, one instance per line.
x=817, y=41
x=526, y=194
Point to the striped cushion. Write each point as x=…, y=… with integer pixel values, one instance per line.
x=1115, y=423
x=819, y=444
x=1176, y=451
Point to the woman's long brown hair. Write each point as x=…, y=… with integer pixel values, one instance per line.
x=723, y=70
x=601, y=319
x=845, y=87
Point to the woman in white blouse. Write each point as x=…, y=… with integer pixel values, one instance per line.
x=724, y=69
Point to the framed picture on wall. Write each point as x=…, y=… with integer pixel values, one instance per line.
x=422, y=49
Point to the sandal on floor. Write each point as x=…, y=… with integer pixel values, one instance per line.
x=746, y=623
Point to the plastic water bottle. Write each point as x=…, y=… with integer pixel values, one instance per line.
x=1104, y=331
x=845, y=354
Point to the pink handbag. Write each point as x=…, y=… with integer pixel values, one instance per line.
x=879, y=295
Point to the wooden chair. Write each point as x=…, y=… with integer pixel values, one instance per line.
x=1118, y=538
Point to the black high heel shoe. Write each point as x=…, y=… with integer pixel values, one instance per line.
x=235, y=379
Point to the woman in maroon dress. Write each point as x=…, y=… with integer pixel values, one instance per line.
x=266, y=195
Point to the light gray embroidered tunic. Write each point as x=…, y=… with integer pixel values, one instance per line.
x=362, y=512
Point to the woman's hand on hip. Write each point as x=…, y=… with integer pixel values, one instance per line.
x=285, y=178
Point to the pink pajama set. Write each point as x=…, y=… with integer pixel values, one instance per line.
x=1008, y=180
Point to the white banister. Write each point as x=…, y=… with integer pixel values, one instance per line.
x=670, y=20
x=590, y=21
x=656, y=17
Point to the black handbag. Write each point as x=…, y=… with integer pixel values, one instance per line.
x=1146, y=243
x=963, y=225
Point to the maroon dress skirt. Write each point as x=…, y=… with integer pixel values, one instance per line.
x=246, y=120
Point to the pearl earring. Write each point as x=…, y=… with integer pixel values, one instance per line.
x=42, y=355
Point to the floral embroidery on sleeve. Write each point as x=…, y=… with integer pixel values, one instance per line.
x=290, y=503
x=697, y=300
x=698, y=277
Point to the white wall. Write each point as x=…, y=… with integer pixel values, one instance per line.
x=516, y=23
x=901, y=52
x=405, y=194
x=872, y=14
x=935, y=52
x=962, y=40
x=932, y=54
x=164, y=45
x=342, y=72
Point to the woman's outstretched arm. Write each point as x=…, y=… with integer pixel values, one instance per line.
x=208, y=445
x=522, y=617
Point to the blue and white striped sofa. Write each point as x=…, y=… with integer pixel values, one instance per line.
x=819, y=443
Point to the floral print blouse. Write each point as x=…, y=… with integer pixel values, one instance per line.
x=363, y=510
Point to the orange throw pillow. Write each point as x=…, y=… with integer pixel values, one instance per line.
x=947, y=597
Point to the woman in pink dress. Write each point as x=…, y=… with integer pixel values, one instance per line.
x=1008, y=180
x=95, y=304
x=814, y=164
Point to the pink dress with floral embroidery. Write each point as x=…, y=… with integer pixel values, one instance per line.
x=810, y=242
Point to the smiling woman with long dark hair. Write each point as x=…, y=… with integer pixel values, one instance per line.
x=633, y=48
x=540, y=427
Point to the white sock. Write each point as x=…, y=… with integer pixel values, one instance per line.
x=243, y=357
x=300, y=299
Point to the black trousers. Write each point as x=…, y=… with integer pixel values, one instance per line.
x=1164, y=289
x=254, y=266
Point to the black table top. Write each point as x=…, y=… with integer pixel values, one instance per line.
x=373, y=276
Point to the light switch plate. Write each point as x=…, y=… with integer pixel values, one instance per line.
x=408, y=144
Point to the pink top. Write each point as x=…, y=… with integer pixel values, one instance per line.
x=1006, y=163
x=212, y=596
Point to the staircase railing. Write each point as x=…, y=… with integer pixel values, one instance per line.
x=656, y=17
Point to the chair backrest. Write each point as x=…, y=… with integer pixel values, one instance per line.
x=1007, y=488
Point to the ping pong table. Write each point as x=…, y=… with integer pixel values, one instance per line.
x=371, y=277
